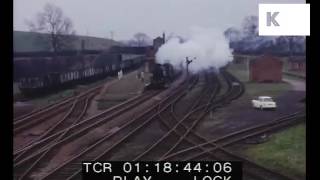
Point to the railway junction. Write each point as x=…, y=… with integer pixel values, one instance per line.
x=200, y=116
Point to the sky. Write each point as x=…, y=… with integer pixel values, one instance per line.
x=126, y=17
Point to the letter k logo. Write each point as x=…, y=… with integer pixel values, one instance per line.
x=271, y=18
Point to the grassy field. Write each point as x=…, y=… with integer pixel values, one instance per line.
x=267, y=89
x=286, y=151
x=297, y=75
x=295, y=78
x=256, y=89
x=240, y=71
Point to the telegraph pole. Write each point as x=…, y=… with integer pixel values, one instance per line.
x=187, y=63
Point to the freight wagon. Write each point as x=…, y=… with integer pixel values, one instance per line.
x=105, y=65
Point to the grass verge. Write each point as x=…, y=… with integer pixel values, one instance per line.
x=285, y=151
x=257, y=89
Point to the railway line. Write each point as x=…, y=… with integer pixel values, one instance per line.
x=41, y=109
x=184, y=142
x=37, y=115
x=206, y=98
x=195, y=114
x=222, y=153
x=87, y=126
x=70, y=169
x=51, y=120
x=251, y=168
x=237, y=136
x=77, y=129
x=187, y=130
x=76, y=114
x=173, y=119
x=216, y=149
x=73, y=116
x=50, y=135
x=72, y=166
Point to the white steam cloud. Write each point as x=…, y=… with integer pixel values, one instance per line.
x=209, y=46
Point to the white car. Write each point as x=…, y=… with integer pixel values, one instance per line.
x=264, y=102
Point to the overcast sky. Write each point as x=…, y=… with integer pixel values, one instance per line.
x=126, y=17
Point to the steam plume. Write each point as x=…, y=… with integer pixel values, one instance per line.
x=209, y=46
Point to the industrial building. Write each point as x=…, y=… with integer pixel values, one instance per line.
x=265, y=68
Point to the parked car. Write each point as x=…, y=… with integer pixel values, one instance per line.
x=264, y=102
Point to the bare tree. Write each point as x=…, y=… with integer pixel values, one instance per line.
x=250, y=25
x=141, y=39
x=53, y=22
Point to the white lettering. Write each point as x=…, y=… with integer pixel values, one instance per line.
x=216, y=178
x=87, y=166
x=213, y=178
x=147, y=178
x=207, y=178
x=118, y=178
x=107, y=166
x=143, y=177
x=95, y=168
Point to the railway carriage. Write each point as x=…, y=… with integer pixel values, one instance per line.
x=104, y=65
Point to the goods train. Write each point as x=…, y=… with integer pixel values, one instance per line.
x=162, y=76
x=55, y=81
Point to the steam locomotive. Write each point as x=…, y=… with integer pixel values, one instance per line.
x=162, y=76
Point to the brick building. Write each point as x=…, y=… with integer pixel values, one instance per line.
x=157, y=42
x=151, y=52
x=265, y=68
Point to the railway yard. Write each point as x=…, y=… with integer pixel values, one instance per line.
x=204, y=116
x=155, y=90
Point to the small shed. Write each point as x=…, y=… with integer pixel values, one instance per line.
x=265, y=68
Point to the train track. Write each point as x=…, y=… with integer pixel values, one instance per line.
x=198, y=111
x=37, y=157
x=42, y=109
x=217, y=148
x=87, y=121
x=173, y=119
x=251, y=169
x=37, y=114
x=72, y=117
x=77, y=129
x=75, y=114
x=70, y=113
x=64, y=171
x=117, y=111
x=206, y=98
x=49, y=111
